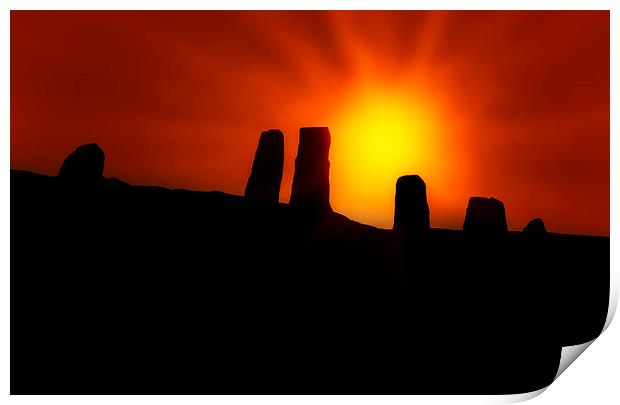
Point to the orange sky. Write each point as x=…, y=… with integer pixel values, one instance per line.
x=511, y=104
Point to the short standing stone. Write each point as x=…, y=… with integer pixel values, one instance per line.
x=264, y=182
x=411, y=210
x=485, y=215
x=311, y=181
x=535, y=227
x=84, y=165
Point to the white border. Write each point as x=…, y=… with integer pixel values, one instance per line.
x=594, y=379
x=310, y=5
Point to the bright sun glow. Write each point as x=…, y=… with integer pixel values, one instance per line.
x=381, y=135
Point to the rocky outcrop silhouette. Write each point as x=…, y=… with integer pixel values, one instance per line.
x=535, y=227
x=485, y=215
x=264, y=181
x=411, y=210
x=311, y=181
x=84, y=165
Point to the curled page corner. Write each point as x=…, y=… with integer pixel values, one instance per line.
x=526, y=396
x=569, y=355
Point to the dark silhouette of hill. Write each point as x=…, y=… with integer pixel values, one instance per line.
x=122, y=289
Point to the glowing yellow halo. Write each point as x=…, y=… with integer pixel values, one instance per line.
x=380, y=135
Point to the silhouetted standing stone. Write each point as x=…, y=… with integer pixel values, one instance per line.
x=411, y=208
x=311, y=181
x=84, y=165
x=535, y=227
x=485, y=215
x=264, y=182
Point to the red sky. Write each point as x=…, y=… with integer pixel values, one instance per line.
x=510, y=104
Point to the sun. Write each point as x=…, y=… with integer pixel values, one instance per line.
x=380, y=134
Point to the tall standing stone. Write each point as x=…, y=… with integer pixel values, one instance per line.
x=84, y=165
x=485, y=215
x=311, y=181
x=411, y=210
x=264, y=182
